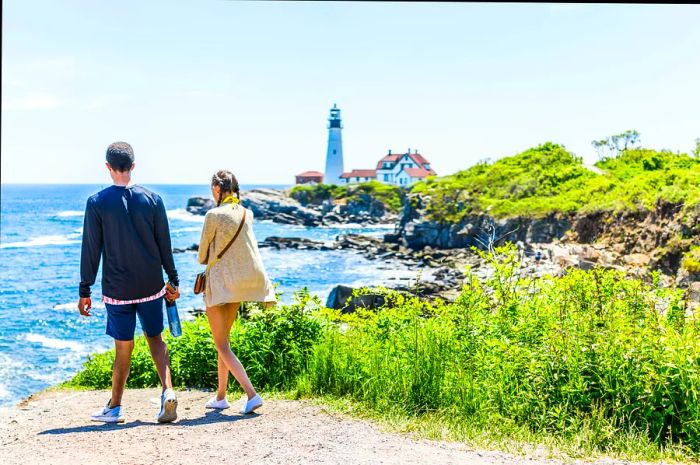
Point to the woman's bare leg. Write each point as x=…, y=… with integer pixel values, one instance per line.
x=222, y=369
x=220, y=321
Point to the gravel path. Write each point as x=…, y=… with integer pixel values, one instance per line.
x=54, y=428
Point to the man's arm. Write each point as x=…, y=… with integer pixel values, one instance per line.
x=89, y=254
x=162, y=231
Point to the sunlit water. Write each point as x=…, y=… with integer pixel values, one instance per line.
x=44, y=341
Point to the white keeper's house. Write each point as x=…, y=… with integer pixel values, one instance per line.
x=400, y=169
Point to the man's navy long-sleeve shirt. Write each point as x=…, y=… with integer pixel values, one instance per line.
x=128, y=228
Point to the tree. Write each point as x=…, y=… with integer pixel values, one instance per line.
x=616, y=144
x=696, y=152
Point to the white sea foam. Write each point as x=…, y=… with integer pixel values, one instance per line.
x=192, y=229
x=52, y=343
x=73, y=306
x=44, y=241
x=183, y=215
x=4, y=393
x=68, y=213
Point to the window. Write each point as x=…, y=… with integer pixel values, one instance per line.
x=386, y=178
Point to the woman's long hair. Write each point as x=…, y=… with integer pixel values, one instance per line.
x=228, y=185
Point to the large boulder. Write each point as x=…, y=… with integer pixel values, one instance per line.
x=278, y=206
x=341, y=298
x=298, y=243
x=266, y=204
x=200, y=205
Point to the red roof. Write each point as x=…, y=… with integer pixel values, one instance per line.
x=310, y=174
x=360, y=174
x=419, y=172
x=417, y=158
x=393, y=158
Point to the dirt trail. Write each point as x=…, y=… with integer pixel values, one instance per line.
x=54, y=428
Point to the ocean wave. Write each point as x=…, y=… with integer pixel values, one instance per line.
x=69, y=213
x=183, y=215
x=44, y=241
x=191, y=229
x=53, y=343
x=73, y=306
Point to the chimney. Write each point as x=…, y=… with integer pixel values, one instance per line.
x=389, y=151
x=409, y=150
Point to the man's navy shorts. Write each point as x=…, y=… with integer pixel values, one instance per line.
x=121, y=319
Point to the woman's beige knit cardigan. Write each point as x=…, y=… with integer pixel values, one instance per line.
x=240, y=275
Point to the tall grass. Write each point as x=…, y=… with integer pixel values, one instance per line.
x=593, y=358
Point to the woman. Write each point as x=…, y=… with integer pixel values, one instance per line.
x=238, y=276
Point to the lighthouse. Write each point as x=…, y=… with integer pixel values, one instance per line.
x=334, y=155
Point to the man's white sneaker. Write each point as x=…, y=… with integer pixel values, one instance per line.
x=168, y=407
x=217, y=404
x=109, y=415
x=252, y=404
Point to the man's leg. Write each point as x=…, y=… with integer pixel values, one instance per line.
x=151, y=316
x=121, y=321
x=159, y=352
x=120, y=370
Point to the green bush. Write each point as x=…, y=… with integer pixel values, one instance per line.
x=549, y=179
x=316, y=194
x=273, y=345
x=691, y=260
x=592, y=356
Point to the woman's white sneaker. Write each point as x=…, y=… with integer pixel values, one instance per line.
x=168, y=407
x=109, y=415
x=252, y=404
x=217, y=404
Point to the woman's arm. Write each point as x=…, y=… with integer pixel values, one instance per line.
x=207, y=236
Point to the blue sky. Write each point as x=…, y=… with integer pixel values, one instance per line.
x=199, y=86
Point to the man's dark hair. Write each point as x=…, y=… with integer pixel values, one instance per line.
x=120, y=156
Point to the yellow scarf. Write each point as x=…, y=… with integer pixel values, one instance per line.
x=234, y=201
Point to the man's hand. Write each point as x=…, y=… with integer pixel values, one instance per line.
x=84, y=305
x=171, y=293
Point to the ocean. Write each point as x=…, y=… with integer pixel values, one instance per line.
x=44, y=341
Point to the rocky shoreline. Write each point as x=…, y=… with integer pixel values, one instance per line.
x=635, y=243
x=279, y=207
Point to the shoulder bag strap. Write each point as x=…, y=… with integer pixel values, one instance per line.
x=221, y=254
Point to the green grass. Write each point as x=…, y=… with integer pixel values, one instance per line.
x=588, y=364
x=389, y=195
x=549, y=179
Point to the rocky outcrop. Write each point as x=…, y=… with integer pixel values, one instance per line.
x=296, y=243
x=341, y=298
x=200, y=205
x=653, y=239
x=192, y=248
x=278, y=206
x=271, y=204
x=416, y=231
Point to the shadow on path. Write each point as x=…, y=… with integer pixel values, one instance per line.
x=208, y=418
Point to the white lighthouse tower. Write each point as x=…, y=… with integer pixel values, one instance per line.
x=334, y=155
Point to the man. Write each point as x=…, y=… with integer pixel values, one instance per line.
x=127, y=226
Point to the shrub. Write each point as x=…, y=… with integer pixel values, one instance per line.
x=549, y=179
x=592, y=356
x=691, y=260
